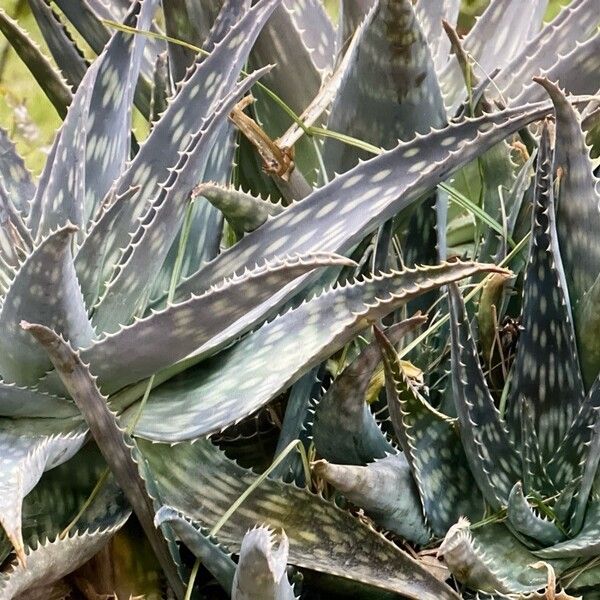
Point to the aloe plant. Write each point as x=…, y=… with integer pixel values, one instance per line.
x=170, y=300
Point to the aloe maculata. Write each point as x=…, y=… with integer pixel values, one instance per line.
x=152, y=297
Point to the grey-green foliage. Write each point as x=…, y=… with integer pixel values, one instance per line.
x=126, y=259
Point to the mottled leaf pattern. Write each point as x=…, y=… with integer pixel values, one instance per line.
x=167, y=336
x=243, y=211
x=233, y=385
x=354, y=204
x=386, y=490
x=49, y=560
x=199, y=481
x=524, y=519
x=27, y=452
x=116, y=445
x=14, y=176
x=432, y=447
x=490, y=451
x=63, y=48
x=142, y=258
x=44, y=289
x=490, y=559
x=546, y=372
x=390, y=90
x=344, y=428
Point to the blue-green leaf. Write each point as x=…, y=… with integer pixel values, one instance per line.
x=344, y=428
x=45, y=288
x=546, y=372
x=492, y=456
x=432, y=448
x=233, y=385
x=321, y=536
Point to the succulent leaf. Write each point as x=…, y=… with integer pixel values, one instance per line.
x=585, y=543
x=26, y=456
x=243, y=211
x=49, y=561
x=141, y=260
x=351, y=549
x=261, y=569
x=48, y=78
x=206, y=84
x=353, y=205
x=216, y=559
x=14, y=175
x=491, y=453
x=430, y=16
x=116, y=445
x=44, y=288
x=174, y=411
x=490, y=559
x=386, y=490
x=389, y=91
x=492, y=42
x=523, y=518
x=63, y=48
x=574, y=24
x=546, y=372
x=344, y=428
x=432, y=448
x=574, y=72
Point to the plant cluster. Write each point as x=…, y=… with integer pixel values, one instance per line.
x=329, y=329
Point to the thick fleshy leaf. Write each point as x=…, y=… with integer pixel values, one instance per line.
x=116, y=445
x=243, y=211
x=234, y=385
x=344, y=428
x=49, y=561
x=216, y=559
x=45, y=74
x=178, y=25
x=525, y=520
x=15, y=237
x=492, y=456
x=578, y=211
x=68, y=56
x=567, y=465
x=494, y=39
x=446, y=486
x=385, y=489
x=45, y=289
x=18, y=401
x=586, y=543
x=230, y=13
x=574, y=72
x=490, y=559
x=430, y=16
x=161, y=88
x=546, y=372
x=390, y=90
x=109, y=118
x=198, y=480
x=87, y=15
x=576, y=21
x=261, y=569
x=343, y=212
x=140, y=263
x=14, y=176
x=93, y=143
x=208, y=82
x=165, y=337
x=30, y=447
